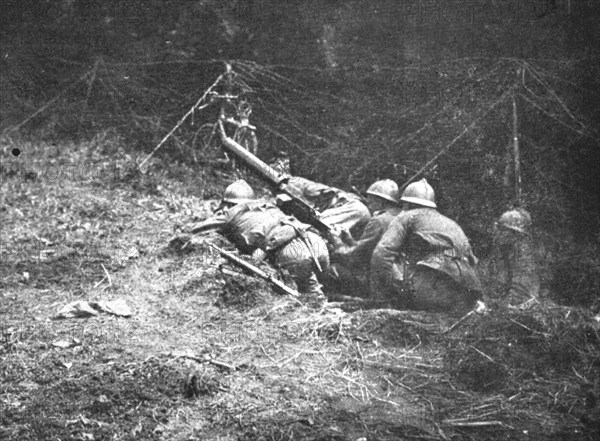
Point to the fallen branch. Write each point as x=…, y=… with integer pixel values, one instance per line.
x=483, y=354
x=457, y=423
x=217, y=363
x=479, y=308
x=107, y=275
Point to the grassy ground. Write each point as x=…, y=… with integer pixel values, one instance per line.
x=209, y=356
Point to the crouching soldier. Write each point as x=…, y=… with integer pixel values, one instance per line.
x=350, y=273
x=424, y=260
x=261, y=229
x=516, y=256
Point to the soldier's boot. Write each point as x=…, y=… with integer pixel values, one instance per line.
x=311, y=290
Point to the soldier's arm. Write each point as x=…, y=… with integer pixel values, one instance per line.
x=361, y=251
x=310, y=190
x=215, y=223
x=385, y=254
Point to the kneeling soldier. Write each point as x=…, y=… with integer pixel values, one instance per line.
x=424, y=260
x=350, y=273
x=260, y=228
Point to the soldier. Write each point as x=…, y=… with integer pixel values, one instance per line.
x=337, y=208
x=350, y=273
x=260, y=228
x=516, y=256
x=424, y=260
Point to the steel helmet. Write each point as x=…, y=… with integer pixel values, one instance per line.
x=517, y=220
x=420, y=193
x=238, y=193
x=385, y=189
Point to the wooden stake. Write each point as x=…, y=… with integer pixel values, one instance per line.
x=516, y=153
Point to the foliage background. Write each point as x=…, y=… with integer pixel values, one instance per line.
x=352, y=90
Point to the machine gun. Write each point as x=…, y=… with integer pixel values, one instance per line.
x=277, y=284
x=289, y=203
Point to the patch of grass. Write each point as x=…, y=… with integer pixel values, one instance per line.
x=241, y=292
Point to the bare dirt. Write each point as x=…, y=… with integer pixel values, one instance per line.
x=210, y=355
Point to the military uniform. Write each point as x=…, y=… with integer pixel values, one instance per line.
x=424, y=261
x=350, y=272
x=337, y=208
x=516, y=257
x=288, y=243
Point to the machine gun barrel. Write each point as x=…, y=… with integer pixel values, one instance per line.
x=264, y=170
x=297, y=206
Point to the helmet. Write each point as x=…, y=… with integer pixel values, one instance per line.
x=238, y=192
x=517, y=220
x=419, y=193
x=385, y=189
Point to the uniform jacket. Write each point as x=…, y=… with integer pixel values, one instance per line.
x=253, y=225
x=423, y=236
x=516, y=260
x=337, y=208
x=359, y=255
x=320, y=195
